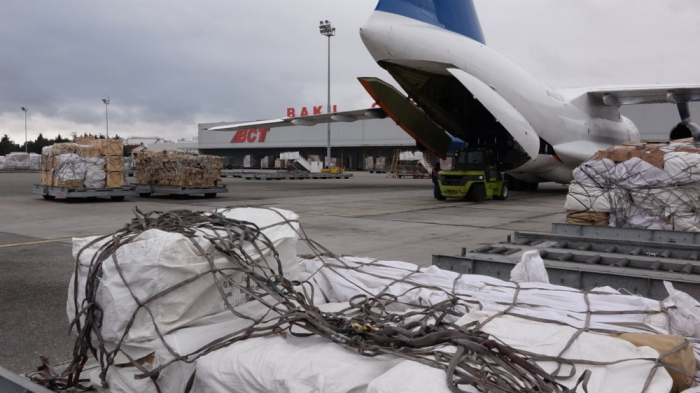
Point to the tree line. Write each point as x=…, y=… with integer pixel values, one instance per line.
x=7, y=145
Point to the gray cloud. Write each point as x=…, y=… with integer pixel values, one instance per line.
x=168, y=64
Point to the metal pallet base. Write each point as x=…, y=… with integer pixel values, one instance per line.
x=637, y=261
x=179, y=190
x=71, y=193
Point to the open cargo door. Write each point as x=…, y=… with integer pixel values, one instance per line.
x=512, y=120
x=408, y=116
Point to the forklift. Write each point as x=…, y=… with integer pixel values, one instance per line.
x=475, y=176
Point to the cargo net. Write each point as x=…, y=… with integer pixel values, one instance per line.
x=178, y=169
x=393, y=308
x=638, y=186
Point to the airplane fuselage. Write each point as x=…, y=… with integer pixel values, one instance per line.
x=569, y=128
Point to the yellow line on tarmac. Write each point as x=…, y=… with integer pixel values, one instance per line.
x=36, y=242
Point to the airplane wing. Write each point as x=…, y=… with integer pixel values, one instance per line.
x=653, y=94
x=342, y=117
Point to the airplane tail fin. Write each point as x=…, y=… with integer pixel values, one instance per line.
x=458, y=16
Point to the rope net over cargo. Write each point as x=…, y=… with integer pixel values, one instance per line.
x=638, y=186
x=392, y=308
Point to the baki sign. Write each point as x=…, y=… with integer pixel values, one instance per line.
x=315, y=110
x=250, y=136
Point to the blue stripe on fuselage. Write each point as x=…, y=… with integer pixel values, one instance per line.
x=458, y=16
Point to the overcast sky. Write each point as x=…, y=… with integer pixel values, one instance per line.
x=170, y=64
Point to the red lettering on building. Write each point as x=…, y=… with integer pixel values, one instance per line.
x=252, y=134
x=304, y=111
x=263, y=134
x=239, y=137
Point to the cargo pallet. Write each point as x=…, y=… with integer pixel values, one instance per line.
x=585, y=257
x=53, y=192
x=146, y=190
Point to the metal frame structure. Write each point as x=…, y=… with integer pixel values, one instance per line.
x=584, y=257
x=327, y=29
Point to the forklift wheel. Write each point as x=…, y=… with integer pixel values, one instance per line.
x=49, y=197
x=504, y=193
x=478, y=192
x=441, y=198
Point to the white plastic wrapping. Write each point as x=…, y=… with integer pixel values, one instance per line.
x=71, y=168
x=17, y=162
x=530, y=269
x=95, y=174
x=582, y=199
x=2, y=162
x=636, y=173
x=685, y=316
x=595, y=173
x=157, y=260
x=682, y=167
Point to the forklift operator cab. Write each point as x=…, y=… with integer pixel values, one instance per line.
x=475, y=176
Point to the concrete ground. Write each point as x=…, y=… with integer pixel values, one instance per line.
x=367, y=215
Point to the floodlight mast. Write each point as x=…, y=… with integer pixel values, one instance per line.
x=327, y=29
x=106, y=102
x=25, y=110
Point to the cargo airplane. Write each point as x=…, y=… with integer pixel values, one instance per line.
x=460, y=90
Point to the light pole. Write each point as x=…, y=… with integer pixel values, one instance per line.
x=329, y=31
x=25, y=110
x=106, y=102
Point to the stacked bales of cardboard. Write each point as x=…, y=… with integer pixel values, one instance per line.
x=637, y=185
x=175, y=168
x=97, y=163
x=112, y=152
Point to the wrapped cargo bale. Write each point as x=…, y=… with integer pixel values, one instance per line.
x=71, y=171
x=636, y=173
x=177, y=169
x=595, y=173
x=686, y=222
x=2, y=162
x=682, y=167
x=17, y=162
x=594, y=199
x=34, y=162
x=95, y=174
x=657, y=186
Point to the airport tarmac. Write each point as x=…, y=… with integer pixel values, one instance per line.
x=367, y=215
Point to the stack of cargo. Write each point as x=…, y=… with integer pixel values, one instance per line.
x=179, y=302
x=92, y=163
x=21, y=162
x=638, y=185
x=175, y=168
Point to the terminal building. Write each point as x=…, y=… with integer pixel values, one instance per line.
x=351, y=143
